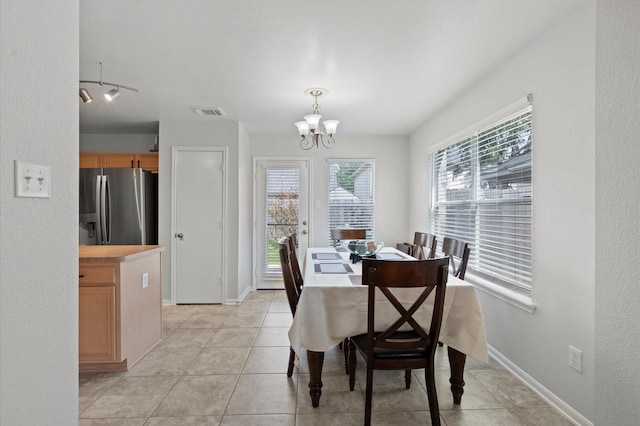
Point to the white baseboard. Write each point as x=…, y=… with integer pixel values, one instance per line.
x=240, y=298
x=166, y=302
x=543, y=392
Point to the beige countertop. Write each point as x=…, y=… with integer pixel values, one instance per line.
x=116, y=253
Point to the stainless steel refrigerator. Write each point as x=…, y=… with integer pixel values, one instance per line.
x=118, y=206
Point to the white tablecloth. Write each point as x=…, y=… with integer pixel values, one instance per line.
x=332, y=308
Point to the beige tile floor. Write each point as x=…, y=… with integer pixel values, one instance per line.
x=226, y=365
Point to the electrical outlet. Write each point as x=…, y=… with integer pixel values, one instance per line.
x=575, y=359
x=145, y=280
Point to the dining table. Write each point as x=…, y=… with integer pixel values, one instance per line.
x=333, y=306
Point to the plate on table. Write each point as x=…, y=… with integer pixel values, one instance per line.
x=332, y=268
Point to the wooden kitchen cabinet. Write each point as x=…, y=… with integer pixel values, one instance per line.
x=117, y=160
x=90, y=160
x=97, y=323
x=120, y=305
x=147, y=161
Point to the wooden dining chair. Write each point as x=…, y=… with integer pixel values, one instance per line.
x=405, y=248
x=391, y=349
x=425, y=245
x=290, y=289
x=339, y=234
x=457, y=251
x=295, y=265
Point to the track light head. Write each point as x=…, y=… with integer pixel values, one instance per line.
x=85, y=96
x=112, y=94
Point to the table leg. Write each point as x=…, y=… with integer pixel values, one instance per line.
x=456, y=363
x=315, y=361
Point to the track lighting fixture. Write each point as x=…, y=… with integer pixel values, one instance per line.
x=110, y=96
x=86, y=97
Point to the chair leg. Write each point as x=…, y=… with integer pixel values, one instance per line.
x=369, y=396
x=292, y=358
x=352, y=365
x=434, y=410
x=407, y=379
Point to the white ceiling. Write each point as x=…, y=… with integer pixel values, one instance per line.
x=388, y=65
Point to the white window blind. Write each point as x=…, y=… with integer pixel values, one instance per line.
x=351, y=195
x=281, y=213
x=481, y=191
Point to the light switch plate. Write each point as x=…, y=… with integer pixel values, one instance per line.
x=32, y=180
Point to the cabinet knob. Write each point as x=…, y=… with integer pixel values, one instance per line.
x=179, y=235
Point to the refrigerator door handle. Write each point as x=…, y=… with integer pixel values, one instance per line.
x=99, y=209
x=107, y=206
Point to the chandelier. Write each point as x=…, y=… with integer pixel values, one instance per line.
x=309, y=129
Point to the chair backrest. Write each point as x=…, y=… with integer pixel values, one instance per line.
x=287, y=274
x=456, y=249
x=295, y=265
x=339, y=234
x=426, y=245
x=405, y=248
x=386, y=275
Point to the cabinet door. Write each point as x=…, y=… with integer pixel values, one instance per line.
x=147, y=161
x=90, y=160
x=97, y=323
x=114, y=160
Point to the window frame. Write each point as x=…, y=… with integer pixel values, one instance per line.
x=508, y=292
x=371, y=225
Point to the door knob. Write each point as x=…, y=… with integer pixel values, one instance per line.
x=179, y=235
x=304, y=232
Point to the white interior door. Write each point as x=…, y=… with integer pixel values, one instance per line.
x=282, y=206
x=199, y=223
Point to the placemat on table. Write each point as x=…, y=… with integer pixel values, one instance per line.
x=356, y=279
x=332, y=268
x=326, y=256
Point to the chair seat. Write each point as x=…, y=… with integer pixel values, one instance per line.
x=360, y=341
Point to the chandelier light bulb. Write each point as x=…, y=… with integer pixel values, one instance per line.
x=303, y=128
x=330, y=126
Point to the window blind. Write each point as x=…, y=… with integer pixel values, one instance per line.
x=481, y=193
x=351, y=195
x=281, y=214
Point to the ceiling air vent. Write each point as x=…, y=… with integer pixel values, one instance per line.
x=210, y=111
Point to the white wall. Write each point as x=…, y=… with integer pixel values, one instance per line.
x=38, y=237
x=617, y=271
x=558, y=69
x=391, y=154
x=245, y=216
x=222, y=134
x=97, y=142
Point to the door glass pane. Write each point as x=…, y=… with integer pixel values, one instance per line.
x=281, y=212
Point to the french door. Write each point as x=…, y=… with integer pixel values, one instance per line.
x=281, y=200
